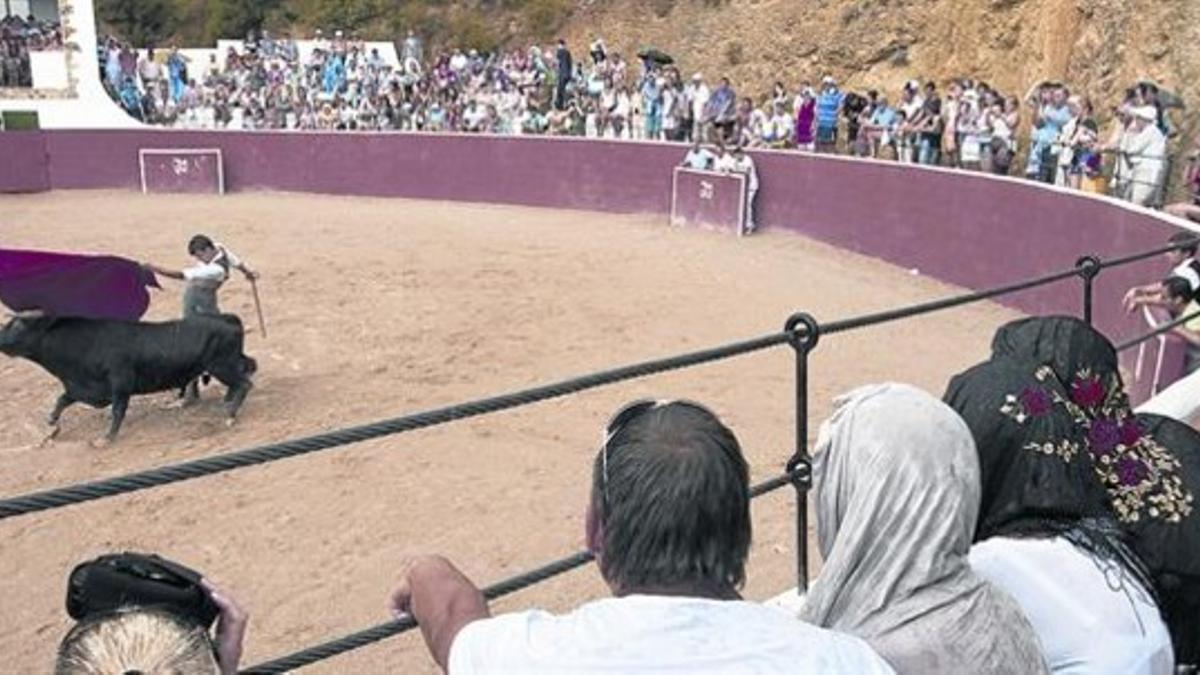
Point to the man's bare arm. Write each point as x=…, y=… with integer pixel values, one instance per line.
x=441, y=599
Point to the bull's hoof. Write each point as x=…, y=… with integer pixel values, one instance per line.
x=101, y=443
x=230, y=421
x=49, y=439
x=181, y=403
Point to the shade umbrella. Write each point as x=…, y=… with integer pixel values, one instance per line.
x=656, y=56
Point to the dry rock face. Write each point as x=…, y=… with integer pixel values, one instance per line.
x=1097, y=46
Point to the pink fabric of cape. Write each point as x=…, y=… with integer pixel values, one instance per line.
x=64, y=284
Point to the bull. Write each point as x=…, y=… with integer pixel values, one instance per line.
x=103, y=362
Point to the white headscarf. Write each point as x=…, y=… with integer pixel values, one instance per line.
x=897, y=496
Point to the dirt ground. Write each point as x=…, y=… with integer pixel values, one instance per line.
x=378, y=307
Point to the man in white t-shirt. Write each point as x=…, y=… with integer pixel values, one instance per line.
x=744, y=164
x=698, y=157
x=698, y=94
x=669, y=524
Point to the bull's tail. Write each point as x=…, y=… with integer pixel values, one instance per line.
x=249, y=366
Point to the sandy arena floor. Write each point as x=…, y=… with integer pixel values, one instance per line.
x=381, y=307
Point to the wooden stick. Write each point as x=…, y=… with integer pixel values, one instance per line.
x=262, y=324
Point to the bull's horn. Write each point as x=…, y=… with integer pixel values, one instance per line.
x=27, y=314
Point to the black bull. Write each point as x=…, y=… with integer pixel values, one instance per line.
x=102, y=363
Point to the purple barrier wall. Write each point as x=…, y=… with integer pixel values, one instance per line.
x=23, y=162
x=966, y=229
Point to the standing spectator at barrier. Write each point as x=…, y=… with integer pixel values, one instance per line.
x=829, y=108
x=880, y=129
x=928, y=126
x=779, y=127
x=150, y=71
x=950, y=142
x=969, y=132
x=669, y=523
x=1144, y=151
x=177, y=73
x=806, y=119
x=744, y=164
x=411, y=49
x=1002, y=125
x=722, y=111
x=671, y=106
x=651, y=96
x=699, y=94
x=1190, y=208
x=748, y=123
x=897, y=495
x=1184, y=265
x=131, y=99
x=911, y=106
x=853, y=107
x=1051, y=114
x=779, y=95
x=1079, y=159
x=621, y=113
x=564, y=69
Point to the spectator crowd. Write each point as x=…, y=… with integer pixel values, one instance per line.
x=341, y=85
x=1028, y=522
x=18, y=37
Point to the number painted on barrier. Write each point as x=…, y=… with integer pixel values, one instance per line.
x=179, y=166
x=706, y=190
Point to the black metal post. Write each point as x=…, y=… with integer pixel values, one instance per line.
x=1088, y=267
x=804, y=332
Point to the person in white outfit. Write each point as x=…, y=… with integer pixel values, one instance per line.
x=1143, y=153
x=744, y=164
x=669, y=524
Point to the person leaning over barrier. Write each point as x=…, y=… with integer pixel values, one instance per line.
x=1183, y=265
x=669, y=524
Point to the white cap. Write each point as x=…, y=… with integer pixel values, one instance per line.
x=828, y=79
x=697, y=77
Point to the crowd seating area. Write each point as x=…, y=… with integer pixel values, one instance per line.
x=333, y=83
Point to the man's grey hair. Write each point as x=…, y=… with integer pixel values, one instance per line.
x=676, y=506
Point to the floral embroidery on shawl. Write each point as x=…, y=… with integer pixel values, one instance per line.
x=1141, y=477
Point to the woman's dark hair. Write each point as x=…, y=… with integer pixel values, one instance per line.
x=675, y=503
x=199, y=243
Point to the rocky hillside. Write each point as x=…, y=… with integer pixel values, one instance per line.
x=1099, y=46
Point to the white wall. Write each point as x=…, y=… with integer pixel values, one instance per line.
x=45, y=10
x=42, y=9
